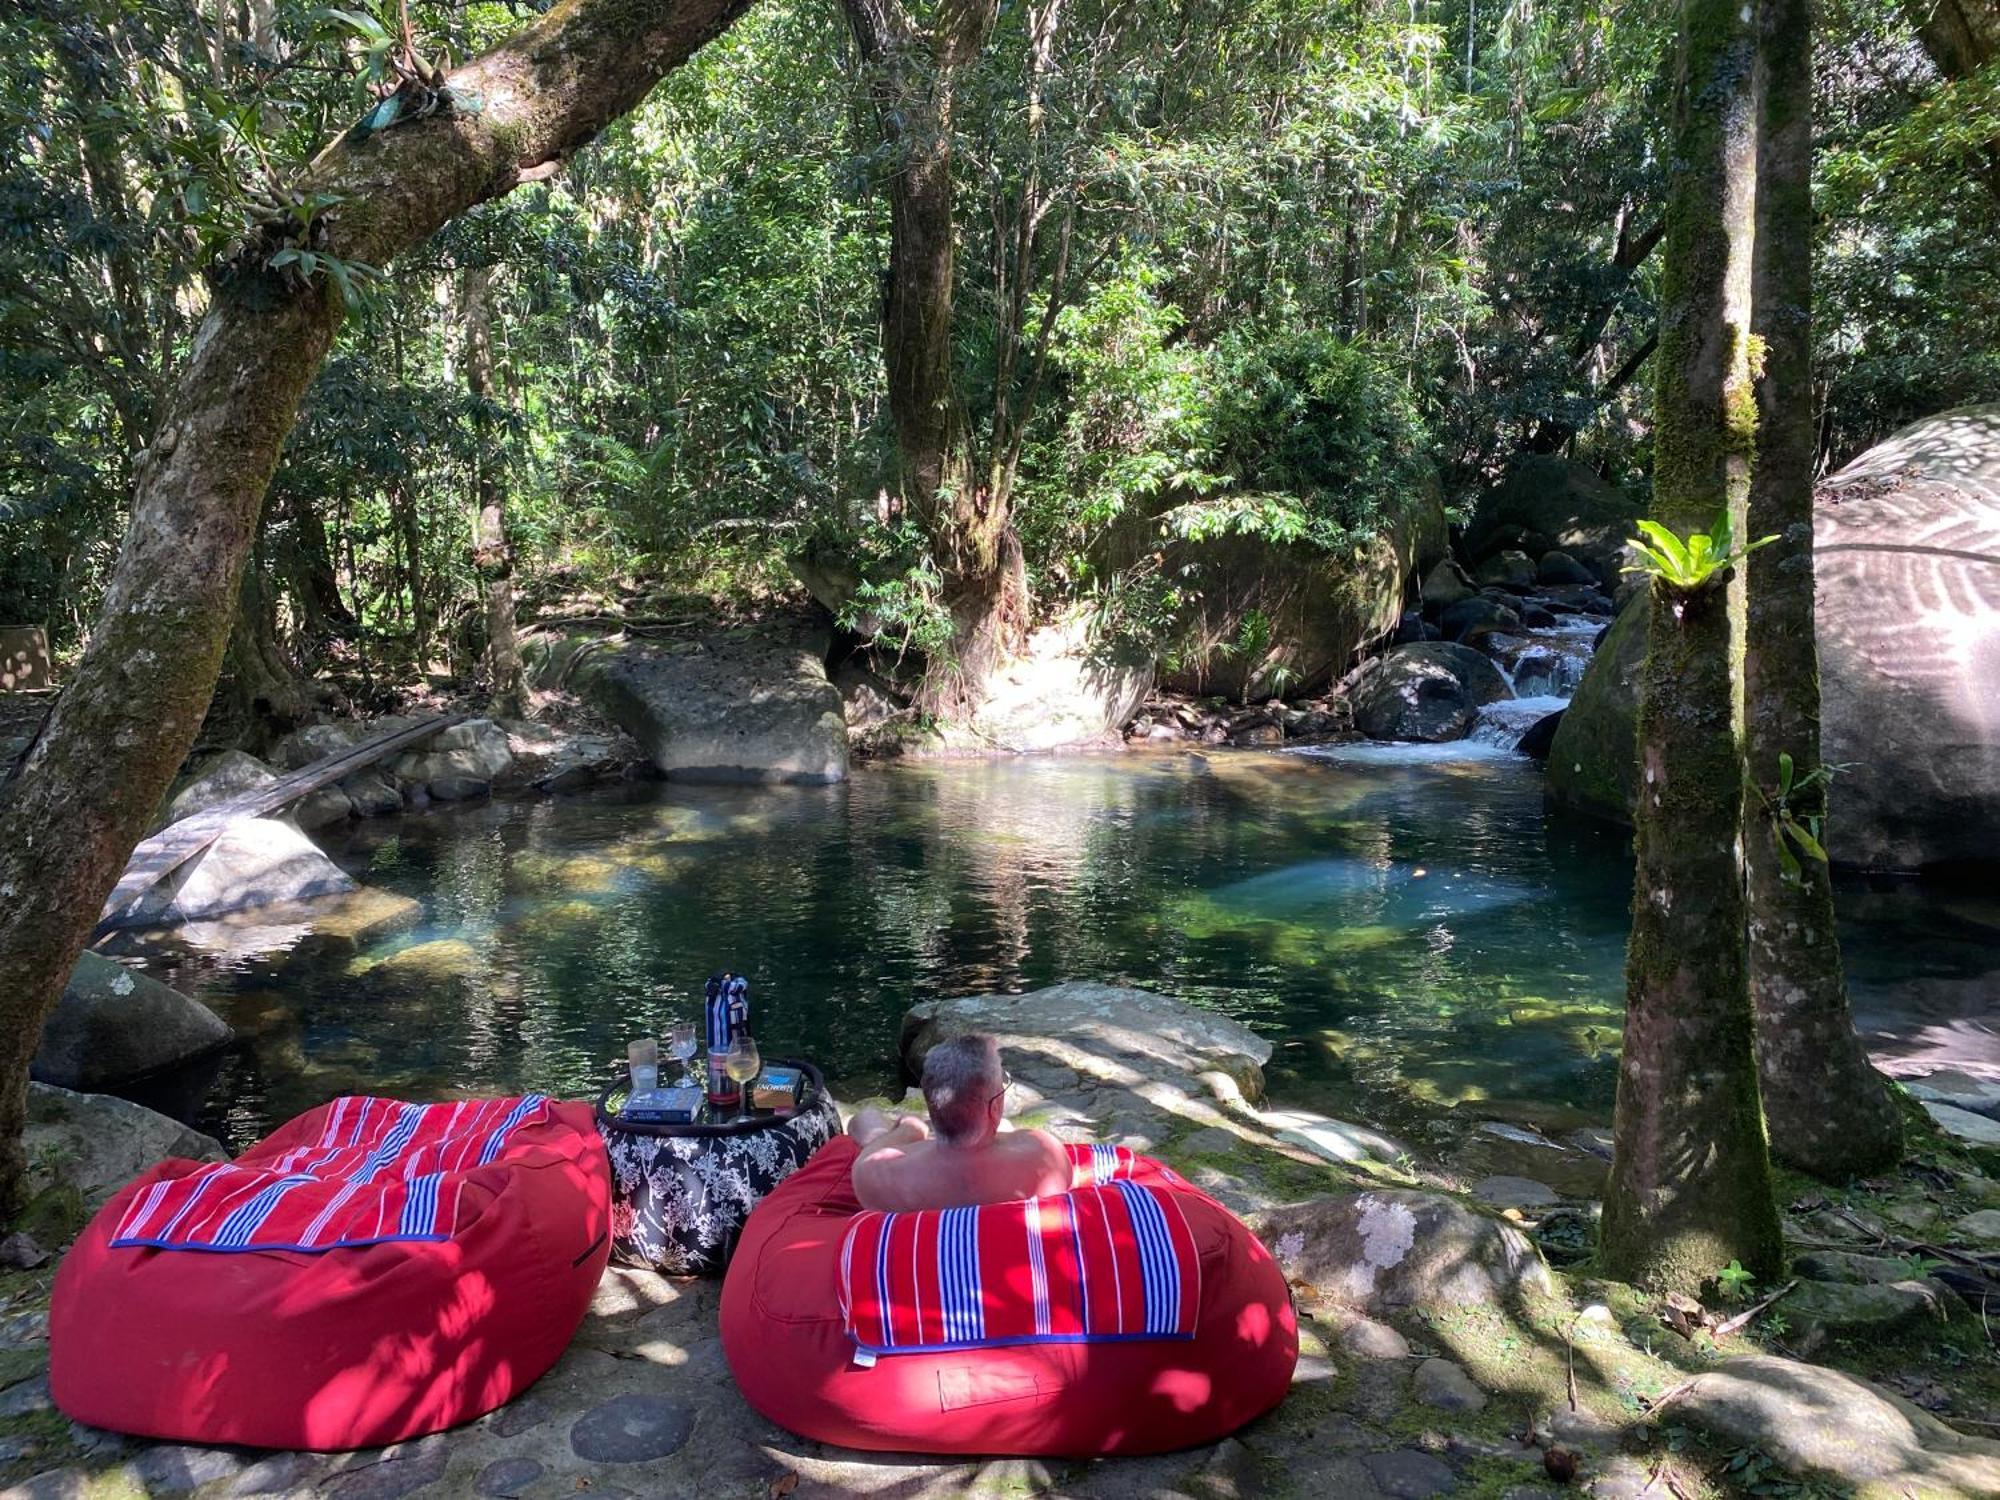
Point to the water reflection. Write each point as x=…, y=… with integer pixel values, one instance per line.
x=1397, y=918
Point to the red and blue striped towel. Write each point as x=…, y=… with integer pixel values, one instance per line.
x=1114, y=1260
x=377, y=1170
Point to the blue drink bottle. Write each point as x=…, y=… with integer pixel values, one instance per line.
x=728, y=1016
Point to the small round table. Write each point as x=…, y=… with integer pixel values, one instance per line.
x=680, y=1193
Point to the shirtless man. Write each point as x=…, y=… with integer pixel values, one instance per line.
x=974, y=1156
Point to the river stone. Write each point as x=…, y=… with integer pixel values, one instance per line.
x=1471, y=618
x=1372, y=1340
x=1509, y=569
x=1444, y=586
x=321, y=809
x=749, y=704
x=1983, y=1225
x=114, y=1024
x=1336, y=1140
x=229, y=774
x=475, y=750
x=1909, y=659
x=253, y=862
x=1559, y=568
x=1813, y=1420
x=1849, y=1268
x=177, y=1468
x=631, y=1429
x=507, y=1478
x=371, y=794
x=402, y=1470
x=1498, y=1148
x=1446, y=1386
x=1385, y=1249
x=1409, y=1473
x=1950, y=1086
x=99, y=1143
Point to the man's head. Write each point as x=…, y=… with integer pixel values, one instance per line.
x=964, y=1087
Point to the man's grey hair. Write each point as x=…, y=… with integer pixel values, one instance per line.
x=961, y=1076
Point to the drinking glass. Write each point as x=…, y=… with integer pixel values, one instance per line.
x=681, y=1047
x=742, y=1062
x=643, y=1059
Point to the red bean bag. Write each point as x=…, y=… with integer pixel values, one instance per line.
x=369, y=1272
x=1133, y=1315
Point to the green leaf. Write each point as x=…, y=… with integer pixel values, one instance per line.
x=1784, y=773
x=1808, y=845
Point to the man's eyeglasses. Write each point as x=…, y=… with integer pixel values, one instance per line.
x=1006, y=1082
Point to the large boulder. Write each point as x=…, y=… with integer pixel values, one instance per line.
x=1908, y=539
x=1083, y=1035
x=229, y=774
x=1385, y=1250
x=748, y=704
x=253, y=862
x=1428, y=690
x=1059, y=693
x=1264, y=616
x=114, y=1024
x=97, y=1144
x=1565, y=504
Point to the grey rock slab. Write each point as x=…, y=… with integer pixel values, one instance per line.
x=54, y=1484
x=403, y=1472
x=229, y=774
x=507, y=1478
x=1409, y=1473
x=115, y=1023
x=177, y=1468
x=26, y=1398
x=253, y=862
x=1336, y=1140
x=1849, y=1268
x=1446, y=1386
x=1813, y=1420
x=1983, y=1225
x=631, y=1429
x=1387, y=1249
x=1819, y=1310
x=279, y=1474
x=1974, y=1129
x=26, y=1328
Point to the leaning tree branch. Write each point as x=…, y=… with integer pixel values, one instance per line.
x=130, y=712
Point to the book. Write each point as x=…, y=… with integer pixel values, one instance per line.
x=776, y=1089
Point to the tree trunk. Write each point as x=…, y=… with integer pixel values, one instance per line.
x=967, y=516
x=492, y=557
x=266, y=690
x=131, y=708
x=1828, y=1110
x=1690, y=1186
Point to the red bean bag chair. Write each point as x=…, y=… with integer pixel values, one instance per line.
x=1131, y=1315
x=370, y=1272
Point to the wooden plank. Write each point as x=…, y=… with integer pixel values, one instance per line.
x=177, y=843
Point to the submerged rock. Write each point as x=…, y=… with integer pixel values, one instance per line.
x=1389, y=1249
x=750, y=704
x=114, y=1024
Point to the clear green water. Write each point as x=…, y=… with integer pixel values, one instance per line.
x=1402, y=924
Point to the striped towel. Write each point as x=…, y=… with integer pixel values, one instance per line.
x=376, y=1170
x=1105, y=1262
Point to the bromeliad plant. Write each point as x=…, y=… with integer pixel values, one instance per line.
x=1686, y=566
x=1796, y=835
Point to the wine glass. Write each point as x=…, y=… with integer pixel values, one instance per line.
x=681, y=1047
x=742, y=1062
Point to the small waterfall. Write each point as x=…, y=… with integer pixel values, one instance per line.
x=1502, y=724
x=1543, y=667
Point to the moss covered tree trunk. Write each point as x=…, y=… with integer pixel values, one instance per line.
x=130, y=710
x=1828, y=1110
x=914, y=72
x=1690, y=1186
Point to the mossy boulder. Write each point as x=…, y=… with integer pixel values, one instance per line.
x=114, y=1024
x=1562, y=505
x=1908, y=536
x=1428, y=690
x=1389, y=1249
